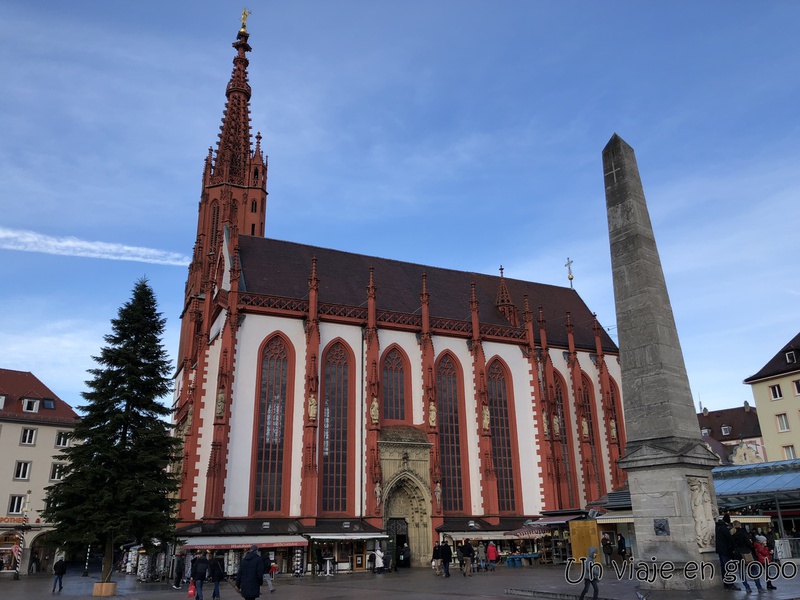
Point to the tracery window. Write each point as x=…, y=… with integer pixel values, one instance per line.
x=587, y=430
x=449, y=434
x=271, y=427
x=500, y=430
x=334, y=430
x=394, y=382
x=563, y=463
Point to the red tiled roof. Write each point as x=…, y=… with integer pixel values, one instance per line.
x=743, y=423
x=16, y=385
x=279, y=268
x=778, y=364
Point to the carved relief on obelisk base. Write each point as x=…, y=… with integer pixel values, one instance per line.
x=704, y=512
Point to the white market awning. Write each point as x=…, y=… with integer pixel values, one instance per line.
x=616, y=517
x=355, y=535
x=243, y=542
x=474, y=535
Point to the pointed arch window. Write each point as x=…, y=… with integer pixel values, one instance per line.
x=449, y=434
x=254, y=206
x=394, y=386
x=563, y=463
x=587, y=427
x=334, y=430
x=271, y=427
x=500, y=430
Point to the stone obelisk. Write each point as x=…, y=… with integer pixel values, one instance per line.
x=668, y=466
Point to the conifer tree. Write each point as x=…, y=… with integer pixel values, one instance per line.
x=116, y=487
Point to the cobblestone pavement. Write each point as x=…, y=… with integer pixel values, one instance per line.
x=413, y=584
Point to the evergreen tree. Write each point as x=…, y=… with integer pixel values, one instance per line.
x=116, y=487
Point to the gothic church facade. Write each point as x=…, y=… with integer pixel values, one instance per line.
x=324, y=391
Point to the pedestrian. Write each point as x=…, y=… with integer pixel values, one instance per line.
x=621, y=549
x=405, y=556
x=269, y=566
x=762, y=555
x=59, y=569
x=590, y=573
x=492, y=555
x=460, y=556
x=469, y=554
x=608, y=548
x=436, y=559
x=320, y=560
x=725, y=548
x=217, y=572
x=447, y=558
x=481, y=557
x=744, y=552
x=250, y=576
x=199, y=573
x=180, y=569
x=378, y=559
x=771, y=537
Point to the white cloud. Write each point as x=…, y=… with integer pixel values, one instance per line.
x=31, y=241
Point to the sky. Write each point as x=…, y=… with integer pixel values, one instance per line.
x=464, y=134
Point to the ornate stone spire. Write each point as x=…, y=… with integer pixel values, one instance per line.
x=504, y=303
x=233, y=149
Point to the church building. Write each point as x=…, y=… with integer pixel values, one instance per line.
x=343, y=400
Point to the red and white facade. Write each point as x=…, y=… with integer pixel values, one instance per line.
x=318, y=387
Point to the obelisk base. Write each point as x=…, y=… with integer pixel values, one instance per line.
x=672, y=495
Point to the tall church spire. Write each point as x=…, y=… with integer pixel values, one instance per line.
x=233, y=149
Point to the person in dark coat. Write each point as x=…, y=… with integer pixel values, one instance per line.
x=251, y=574
x=590, y=574
x=180, y=569
x=621, y=549
x=447, y=557
x=200, y=568
x=59, y=569
x=436, y=559
x=468, y=552
x=725, y=547
x=217, y=572
x=608, y=548
x=320, y=561
x=744, y=551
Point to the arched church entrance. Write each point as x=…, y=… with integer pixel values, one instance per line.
x=405, y=455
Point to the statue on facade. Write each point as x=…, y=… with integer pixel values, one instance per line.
x=546, y=423
x=585, y=427
x=432, y=414
x=613, y=427
x=378, y=493
x=374, y=411
x=485, y=417
x=312, y=408
x=245, y=13
x=437, y=493
x=220, y=408
x=556, y=426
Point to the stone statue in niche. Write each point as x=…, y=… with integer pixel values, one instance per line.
x=378, y=493
x=220, y=408
x=556, y=426
x=374, y=411
x=432, y=414
x=613, y=427
x=312, y=408
x=585, y=427
x=546, y=423
x=485, y=417
x=437, y=493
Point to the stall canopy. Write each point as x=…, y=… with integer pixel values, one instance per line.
x=355, y=535
x=243, y=542
x=760, y=483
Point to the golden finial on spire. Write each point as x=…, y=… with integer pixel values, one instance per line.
x=245, y=13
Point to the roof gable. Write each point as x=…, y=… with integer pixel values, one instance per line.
x=778, y=364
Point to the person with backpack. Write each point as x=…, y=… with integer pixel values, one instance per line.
x=199, y=573
x=217, y=572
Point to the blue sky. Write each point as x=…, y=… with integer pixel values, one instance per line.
x=459, y=133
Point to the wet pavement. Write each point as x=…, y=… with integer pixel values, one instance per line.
x=410, y=584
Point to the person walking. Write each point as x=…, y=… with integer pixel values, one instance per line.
x=59, y=570
x=622, y=551
x=217, y=572
x=725, y=548
x=745, y=552
x=320, y=560
x=378, y=559
x=481, y=557
x=199, y=573
x=250, y=576
x=468, y=552
x=447, y=557
x=608, y=548
x=269, y=568
x=590, y=573
x=436, y=559
x=180, y=570
x=492, y=555
x=761, y=549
